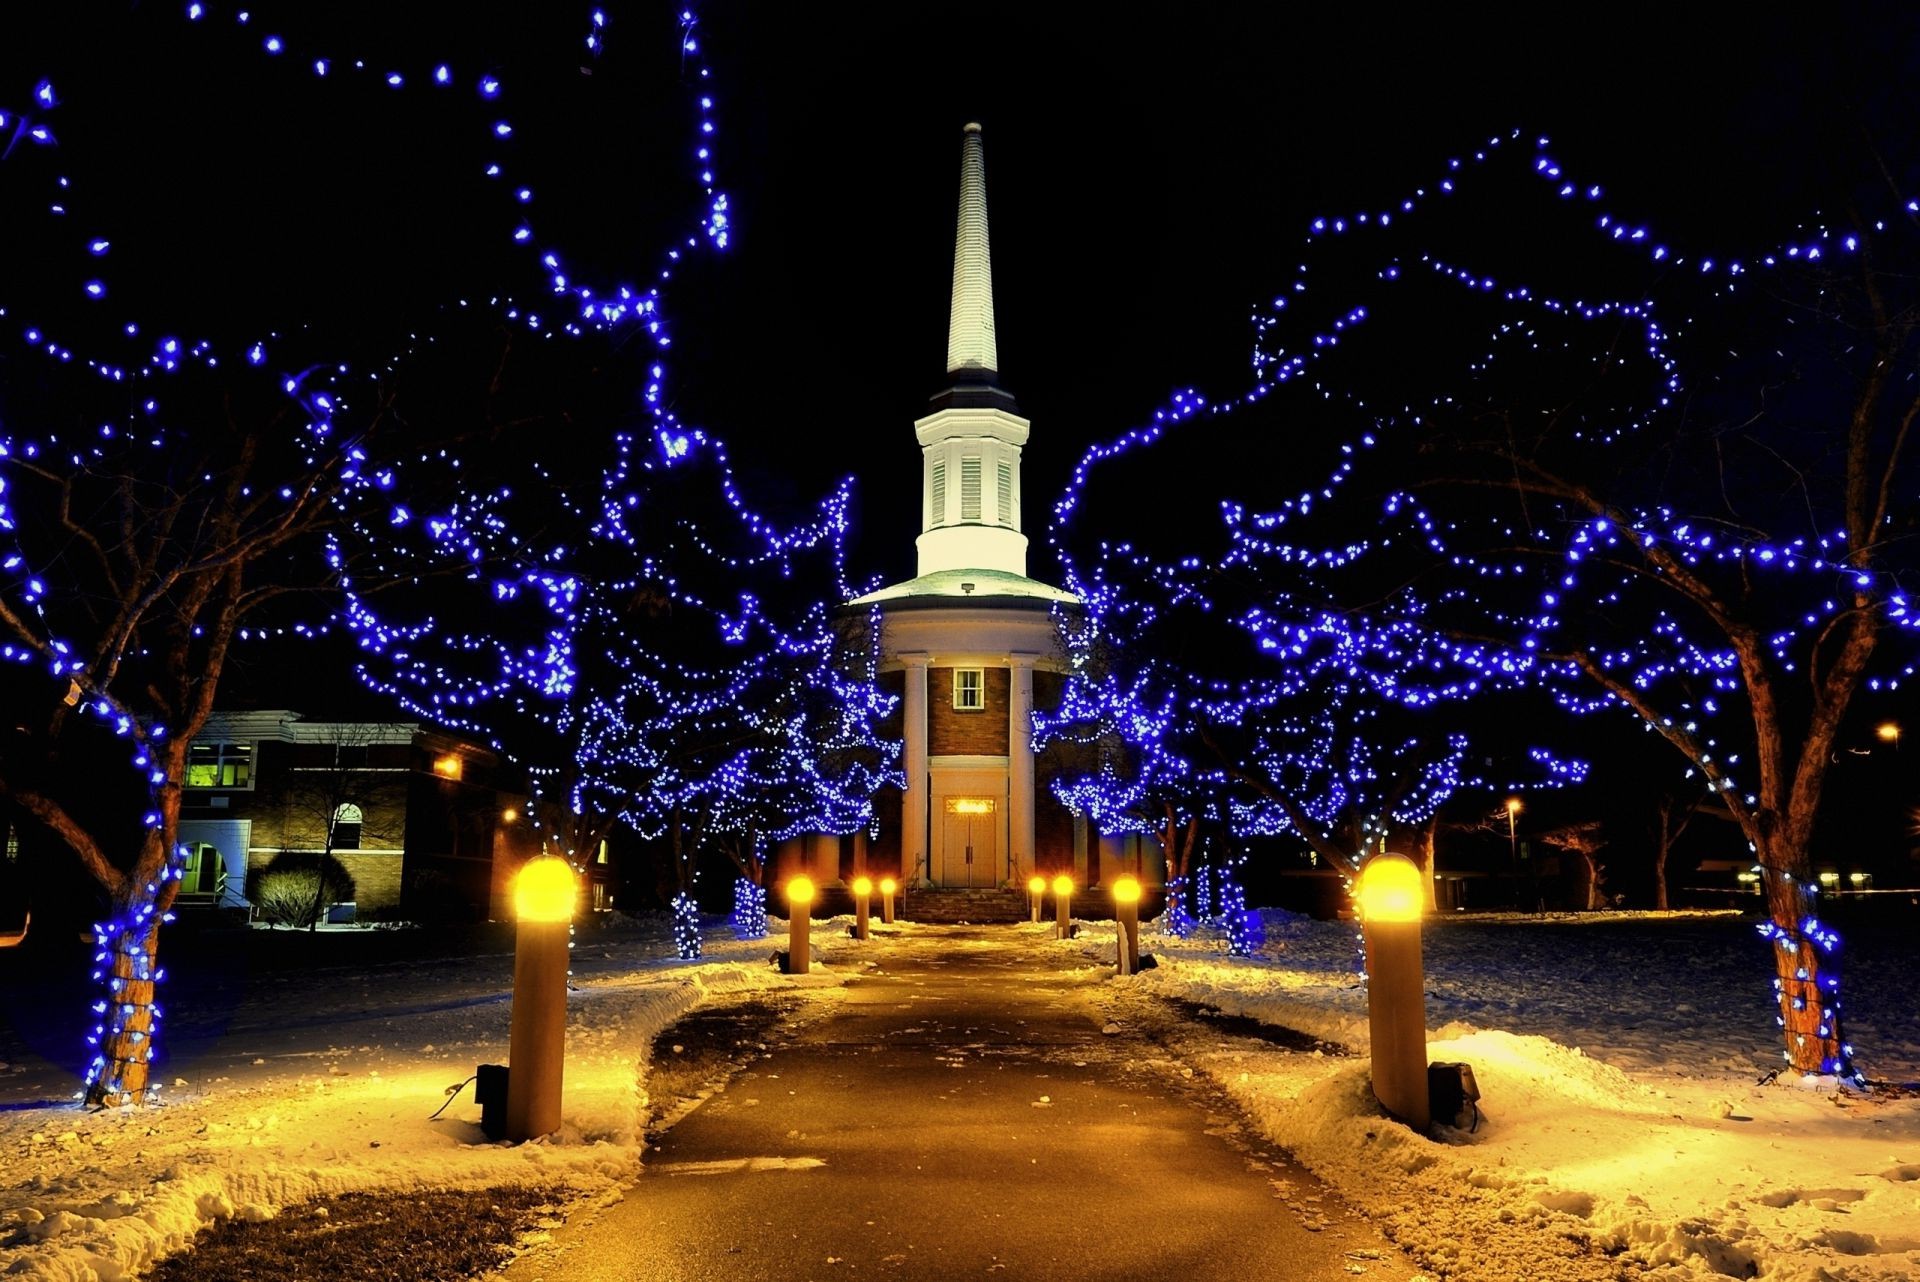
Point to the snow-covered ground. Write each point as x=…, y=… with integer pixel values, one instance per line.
x=1624, y=1133
x=1618, y=1060
x=344, y=1108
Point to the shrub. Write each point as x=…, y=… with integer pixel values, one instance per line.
x=295, y=888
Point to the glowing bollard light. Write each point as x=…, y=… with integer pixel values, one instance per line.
x=862, y=892
x=1126, y=920
x=543, y=900
x=1036, y=890
x=887, y=886
x=1390, y=896
x=799, y=925
x=1063, y=905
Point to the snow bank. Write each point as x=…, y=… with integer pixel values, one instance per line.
x=1585, y=1164
x=100, y=1197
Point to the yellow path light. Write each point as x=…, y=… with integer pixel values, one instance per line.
x=545, y=889
x=1389, y=889
x=1391, y=896
x=544, y=892
x=1063, y=906
x=862, y=893
x=1036, y=890
x=1126, y=935
x=799, y=925
x=1063, y=885
x=887, y=886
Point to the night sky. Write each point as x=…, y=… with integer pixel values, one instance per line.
x=1150, y=175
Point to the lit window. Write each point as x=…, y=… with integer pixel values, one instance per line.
x=970, y=805
x=346, y=828
x=600, y=856
x=220, y=765
x=970, y=689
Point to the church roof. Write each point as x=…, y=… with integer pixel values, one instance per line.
x=967, y=586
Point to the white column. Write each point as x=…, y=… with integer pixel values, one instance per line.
x=913, y=761
x=1020, y=769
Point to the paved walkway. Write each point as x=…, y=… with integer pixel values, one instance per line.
x=962, y=1114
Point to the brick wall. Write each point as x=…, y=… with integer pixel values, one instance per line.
x=951, y=733
x=376, y=880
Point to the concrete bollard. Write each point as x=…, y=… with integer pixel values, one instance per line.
x=543, y=899
x=1390, y=896
x=887, y=886
x=1126, y=922
x=799, y=926
x=1036, y=890
x=862, y=894
x=1063, y=906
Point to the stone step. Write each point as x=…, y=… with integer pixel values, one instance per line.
x=940, y=904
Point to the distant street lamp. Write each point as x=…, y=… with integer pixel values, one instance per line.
x=1036, y=889
x=799, y=925
x=544, y=893
x=1390, y=896
x=887, y=886
x=1126, y=902
x=1063, y=905
x=862, y=893
x=1889, y=732
x=1513, y=830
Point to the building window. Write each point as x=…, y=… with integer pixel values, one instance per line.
x=970, y=689
x=600, y=855
x=1006, y=493
x=346, y=828
x=969, y=489
x=937, y=511
x=220, y=765
x=602, y=897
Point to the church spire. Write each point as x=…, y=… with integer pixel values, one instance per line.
x=970, y=344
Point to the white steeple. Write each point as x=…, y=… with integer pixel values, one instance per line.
x=970, y=329
x=970, y=444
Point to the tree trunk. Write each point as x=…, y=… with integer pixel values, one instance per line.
x=1427, y=852
x=1660, y=847
x=1806, y=975
x=124, y=1037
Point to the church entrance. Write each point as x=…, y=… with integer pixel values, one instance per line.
x=968, y=853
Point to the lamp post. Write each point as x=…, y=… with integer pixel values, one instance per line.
x=1889, y=732
x=799, y=925
x=1126, y=903
x=862, y=892
x=1036, y=889
x=543, y=899
x=887, y=886
x=1389, y=894
x=1063, y=905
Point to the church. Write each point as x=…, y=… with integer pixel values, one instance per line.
x=970, y=643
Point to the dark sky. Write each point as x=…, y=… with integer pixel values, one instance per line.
x=1151, y=171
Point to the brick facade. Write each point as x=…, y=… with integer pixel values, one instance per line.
x=953, y=733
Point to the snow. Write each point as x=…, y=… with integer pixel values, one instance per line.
x=1624, y=1129
x=100, y=1197
x=1618, y=1061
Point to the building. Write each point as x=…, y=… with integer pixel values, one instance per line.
x=970, y=643
x=429, y=826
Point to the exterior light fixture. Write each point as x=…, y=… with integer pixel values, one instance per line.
x=1126, y=935
x=862, y=893
x=1063, y=906
x=1388, y=891
x=799, y=925
x=1036, y=889
x=887, y=886
x=544, y=893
